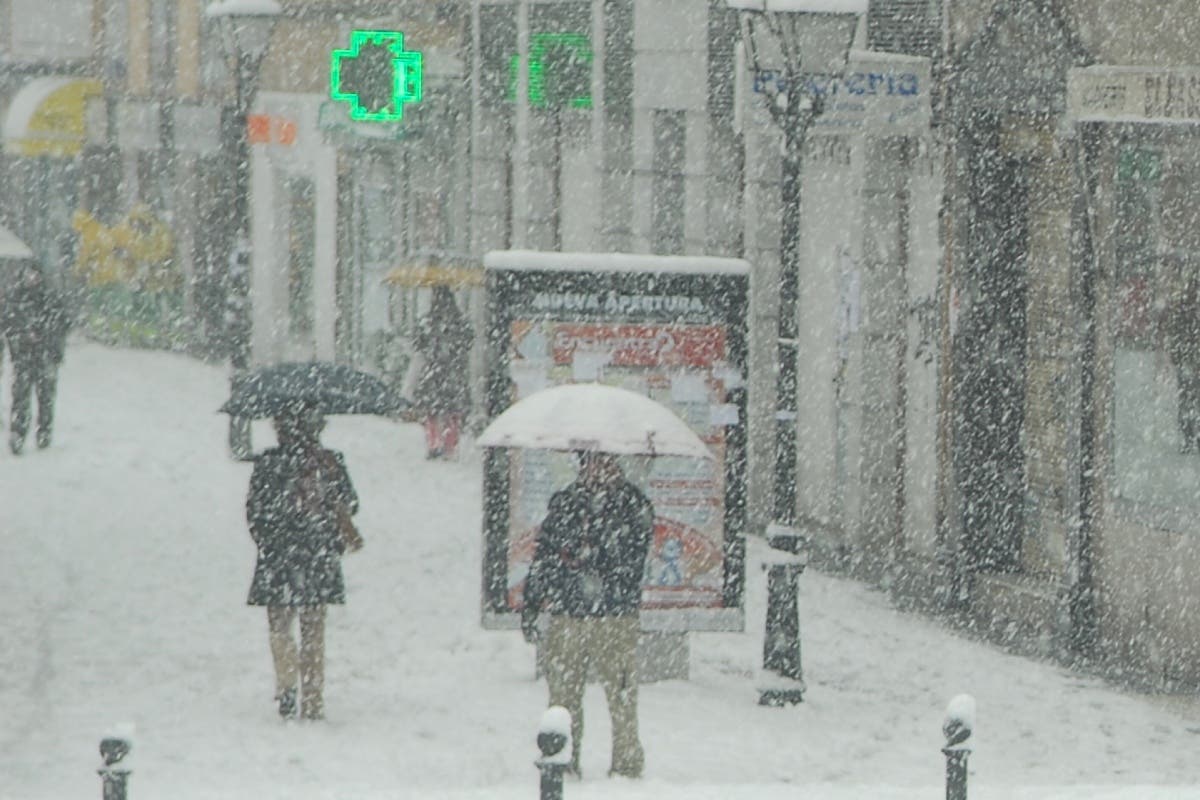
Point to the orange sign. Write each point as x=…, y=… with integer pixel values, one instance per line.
x=269, y=129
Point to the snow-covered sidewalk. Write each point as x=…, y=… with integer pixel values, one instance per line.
x=125, y=567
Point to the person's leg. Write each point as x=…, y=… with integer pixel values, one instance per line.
x=616, y=664
x=47, y=385
x=21, y=390
x=566, y=673
x=432, y=436
x=312, y=662
x=284, y=655
x=450, y=427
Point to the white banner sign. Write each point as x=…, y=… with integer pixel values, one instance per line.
x=1134, y=94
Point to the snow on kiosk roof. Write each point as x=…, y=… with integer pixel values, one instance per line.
x=802, y=6
x=539, y=260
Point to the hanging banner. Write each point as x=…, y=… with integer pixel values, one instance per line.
x=672, y=328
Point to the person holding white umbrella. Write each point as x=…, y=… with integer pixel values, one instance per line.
x=587, y=574
x=590, y=558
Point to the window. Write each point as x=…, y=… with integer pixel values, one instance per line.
x=667, y=190
x=51, y=29
x=162, y=46
x=302, y=243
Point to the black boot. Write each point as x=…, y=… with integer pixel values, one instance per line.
x=287, y=703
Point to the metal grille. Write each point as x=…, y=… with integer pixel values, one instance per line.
x=913, y=27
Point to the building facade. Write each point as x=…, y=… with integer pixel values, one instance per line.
x=51, y=56
x=999, y=405
x=1066, y=426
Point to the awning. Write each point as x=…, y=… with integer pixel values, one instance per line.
x=47, y=117
x=12, y=248
x=436, y=270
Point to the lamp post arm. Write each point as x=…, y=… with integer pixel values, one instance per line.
x=750, y=34
x=785, y=34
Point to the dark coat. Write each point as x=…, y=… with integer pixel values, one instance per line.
x=445, y=341
x=35, y=321
x=292, y=511
x=591, y=551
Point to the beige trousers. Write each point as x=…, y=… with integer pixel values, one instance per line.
x=609, y=646
x=306, y=661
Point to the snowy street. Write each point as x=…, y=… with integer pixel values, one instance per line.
x=126, y=563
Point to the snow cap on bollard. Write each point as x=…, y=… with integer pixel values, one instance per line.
x=554, y=736
x=116, y=744
x=960, y=722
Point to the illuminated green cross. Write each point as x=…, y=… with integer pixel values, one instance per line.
x=376, y=75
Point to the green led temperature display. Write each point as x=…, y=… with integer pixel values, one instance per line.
x=560, y=70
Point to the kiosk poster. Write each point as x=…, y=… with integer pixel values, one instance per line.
x=670, y=328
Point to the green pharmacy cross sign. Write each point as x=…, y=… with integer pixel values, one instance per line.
x=376, y=76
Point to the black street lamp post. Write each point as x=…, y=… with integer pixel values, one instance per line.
x=791, y=47
x=245, y=27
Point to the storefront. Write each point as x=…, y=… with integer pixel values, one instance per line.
x=294, y=230
x=44, y=133
x=869, y=263
x=1138, y=135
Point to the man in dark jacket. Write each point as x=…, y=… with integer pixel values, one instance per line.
x=587, y=573
x=299, y=502
x=35, y=324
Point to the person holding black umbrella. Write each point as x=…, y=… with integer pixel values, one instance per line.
x=299, y=510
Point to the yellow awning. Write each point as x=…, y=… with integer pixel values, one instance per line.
x=426, y=275
x=47, y=117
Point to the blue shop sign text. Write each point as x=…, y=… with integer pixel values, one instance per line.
x=860, y=84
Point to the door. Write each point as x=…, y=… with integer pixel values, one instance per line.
x=990, y=355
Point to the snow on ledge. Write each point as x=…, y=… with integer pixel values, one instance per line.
x=802, y=6
x=548, y=261
x=223, y=8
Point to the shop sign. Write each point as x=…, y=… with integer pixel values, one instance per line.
x=870, y=95
x=334, y=120
x=1134, y=94
x=270, y=129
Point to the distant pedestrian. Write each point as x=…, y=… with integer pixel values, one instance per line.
x=587, y=574
x=35, y=322
x=299, y=509
x=443, y=392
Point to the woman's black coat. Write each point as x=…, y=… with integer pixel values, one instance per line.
x=299, y=545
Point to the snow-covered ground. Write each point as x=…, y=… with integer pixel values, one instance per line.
x=124, y=564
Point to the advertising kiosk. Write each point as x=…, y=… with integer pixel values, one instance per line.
x=670, y=327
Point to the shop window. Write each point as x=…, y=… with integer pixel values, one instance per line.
x=1156, y=329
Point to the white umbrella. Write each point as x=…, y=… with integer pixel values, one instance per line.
x=592, y=416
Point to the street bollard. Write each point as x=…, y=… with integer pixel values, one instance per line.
x=781, y=638
x=554, y=740
x=958, y=726
x=113, y=749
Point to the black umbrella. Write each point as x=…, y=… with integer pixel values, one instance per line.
x=316, y=385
